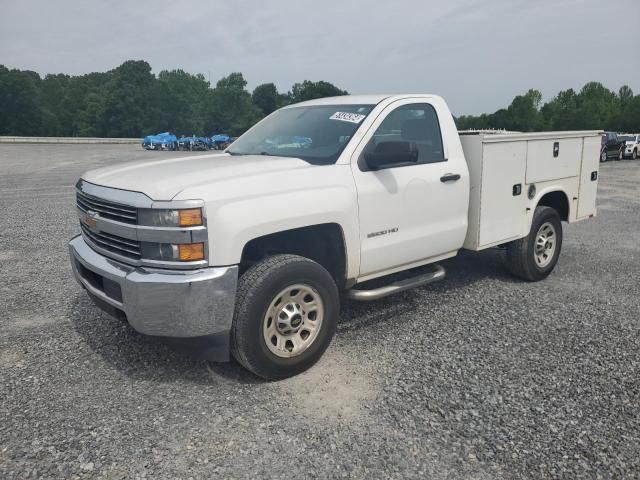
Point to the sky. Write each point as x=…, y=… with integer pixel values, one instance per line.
x=477, y=54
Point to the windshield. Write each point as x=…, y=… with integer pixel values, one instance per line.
x=627, y=138
x=316, y=134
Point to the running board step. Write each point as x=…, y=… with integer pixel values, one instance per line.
x=399, y=286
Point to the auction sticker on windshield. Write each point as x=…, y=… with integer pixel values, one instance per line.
x=347, y=117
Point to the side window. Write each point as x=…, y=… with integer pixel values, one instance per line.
x=414, y=126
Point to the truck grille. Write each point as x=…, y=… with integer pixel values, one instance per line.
x=107, y=209
x=113, y=243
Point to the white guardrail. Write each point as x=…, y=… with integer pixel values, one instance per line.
x=68, y=140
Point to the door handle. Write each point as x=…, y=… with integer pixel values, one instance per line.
x=449, y=177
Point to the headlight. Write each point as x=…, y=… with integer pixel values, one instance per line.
x=158, y=217
x=184, y=252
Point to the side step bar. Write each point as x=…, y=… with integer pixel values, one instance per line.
x=399, y=286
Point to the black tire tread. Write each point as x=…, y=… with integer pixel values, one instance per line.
x=518, y=250
x=255, y=275
x=517, y=258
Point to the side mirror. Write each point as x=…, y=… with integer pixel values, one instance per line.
x=391, y=154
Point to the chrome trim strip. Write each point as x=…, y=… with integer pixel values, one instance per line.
x=172, y=235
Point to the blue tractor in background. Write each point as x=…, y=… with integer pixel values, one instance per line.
x=221, y=141
x=168, y=141
x=194, y=143
x=161, y=141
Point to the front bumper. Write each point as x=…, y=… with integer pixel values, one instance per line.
x=166, y=303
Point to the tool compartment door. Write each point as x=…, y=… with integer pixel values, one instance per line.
x=502, y=209
x=552, y=159
x=589, y=177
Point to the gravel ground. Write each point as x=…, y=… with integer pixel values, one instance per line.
x=479, y=376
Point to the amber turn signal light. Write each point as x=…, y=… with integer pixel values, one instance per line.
x=190, y=217
x=191, y=251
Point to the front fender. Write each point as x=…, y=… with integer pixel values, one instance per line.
x=232, y=223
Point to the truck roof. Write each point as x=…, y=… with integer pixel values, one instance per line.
x=357, y=99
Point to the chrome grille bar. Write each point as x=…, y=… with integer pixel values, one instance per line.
x=107, y=209
x=113, y=243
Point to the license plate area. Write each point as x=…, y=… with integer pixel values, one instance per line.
x=110, y=288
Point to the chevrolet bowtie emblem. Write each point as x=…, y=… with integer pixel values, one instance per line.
x=90, y=219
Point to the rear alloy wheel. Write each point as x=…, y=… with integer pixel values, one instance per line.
x=533, y=257
x=545, y=244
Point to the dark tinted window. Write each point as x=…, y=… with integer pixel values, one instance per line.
x=416, y=123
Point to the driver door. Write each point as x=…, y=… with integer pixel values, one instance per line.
x=415, y=212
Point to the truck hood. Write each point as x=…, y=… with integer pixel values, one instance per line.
x=165, y=179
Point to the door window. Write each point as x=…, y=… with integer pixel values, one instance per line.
x=415, y=125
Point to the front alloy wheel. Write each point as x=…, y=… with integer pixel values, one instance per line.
x=286, y=314
x=293, y=320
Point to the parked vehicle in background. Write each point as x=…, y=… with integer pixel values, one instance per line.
x=202, y=143
x=631, y=145
x=161, y=141
x=194, y=143
x=184, y=143
x=221, y=141
x=249, y=250
x=612, y=147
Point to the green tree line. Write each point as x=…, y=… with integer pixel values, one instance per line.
x=130, y=101
x=594, y=107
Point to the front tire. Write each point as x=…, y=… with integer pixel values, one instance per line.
x=603, y=156
x=287, y=310
x=534, y=257
x=634, y=155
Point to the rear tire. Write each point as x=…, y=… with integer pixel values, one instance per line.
x=534, y=257
x=291, y=302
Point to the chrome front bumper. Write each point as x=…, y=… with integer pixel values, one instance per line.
x=167, y=303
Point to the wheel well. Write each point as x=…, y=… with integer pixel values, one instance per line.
x=322, y=243
x=558, y=201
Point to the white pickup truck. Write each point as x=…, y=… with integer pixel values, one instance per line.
x=250, y=250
